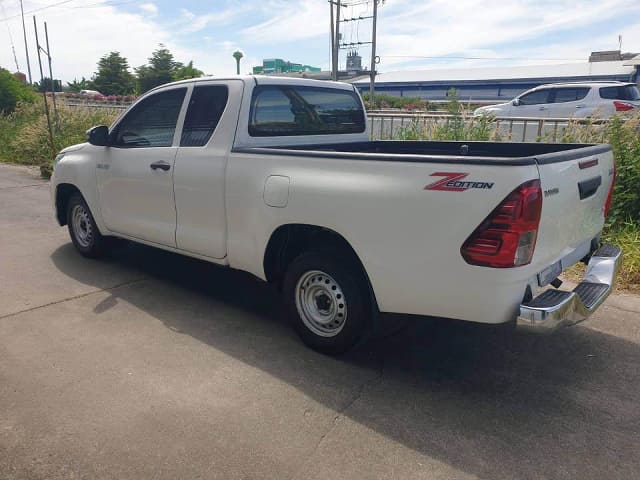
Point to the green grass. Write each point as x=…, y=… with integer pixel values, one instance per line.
x=24, y=136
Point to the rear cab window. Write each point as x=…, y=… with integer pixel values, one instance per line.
x=621, y=92
x=283, y=110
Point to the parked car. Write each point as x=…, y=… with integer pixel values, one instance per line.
x=93, y=94
x=569, y=100
x=278, y=177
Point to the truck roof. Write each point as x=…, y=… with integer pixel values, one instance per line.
x=265, y=80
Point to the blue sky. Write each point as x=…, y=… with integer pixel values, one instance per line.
x=498, y=32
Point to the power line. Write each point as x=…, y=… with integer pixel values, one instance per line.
x=91, y=5
x=36, y=10
x=478, y=58
x=13, y=47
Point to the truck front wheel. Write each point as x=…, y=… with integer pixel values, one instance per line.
x=327, y=301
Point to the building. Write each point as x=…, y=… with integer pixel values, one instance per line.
x=274, y=66
x=499, y=84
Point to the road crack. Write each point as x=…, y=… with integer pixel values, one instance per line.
x=340, y=415
x=75, y=297
x=42, y=184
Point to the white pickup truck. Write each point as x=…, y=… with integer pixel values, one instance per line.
x=278, y=177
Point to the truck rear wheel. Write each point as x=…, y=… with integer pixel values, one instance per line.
x=83, y=230
x=327, y=301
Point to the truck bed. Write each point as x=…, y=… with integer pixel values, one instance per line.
x=452, y=152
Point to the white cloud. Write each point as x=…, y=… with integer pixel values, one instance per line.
x=407, y=30
x=289, y=22
x=149, y=8
x=79, y=40
x=442, y=28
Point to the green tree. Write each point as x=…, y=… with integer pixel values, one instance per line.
x=163, y=68
x=113, y=76
x=83, y=84
x=13, y=91
x=184, y=72
x=160, y=69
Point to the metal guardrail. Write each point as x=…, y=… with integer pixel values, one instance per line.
x=387, y=125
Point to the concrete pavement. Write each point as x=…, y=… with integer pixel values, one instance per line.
x=150, y=365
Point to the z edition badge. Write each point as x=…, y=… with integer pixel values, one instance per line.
x=453, y=182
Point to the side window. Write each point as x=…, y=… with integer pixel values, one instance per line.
x=623, y=92
x=278, y=110
x=203, y=114
x=152, y=122
x=535, y=98
x=570, y=94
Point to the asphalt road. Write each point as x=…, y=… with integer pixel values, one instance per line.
x=150, y=365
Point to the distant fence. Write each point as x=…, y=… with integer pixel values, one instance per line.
x=388, y=126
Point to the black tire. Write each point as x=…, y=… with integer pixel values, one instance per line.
x=340, y=286
x=88, y=240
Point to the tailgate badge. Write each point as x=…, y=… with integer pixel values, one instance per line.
x=452, y=182
x=551, y=191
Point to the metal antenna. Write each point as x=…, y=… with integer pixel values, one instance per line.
x=44, y=93
x=53, y=83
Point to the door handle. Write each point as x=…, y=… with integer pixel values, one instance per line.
x=160, y=165
x=579, y=106
x=543, y=108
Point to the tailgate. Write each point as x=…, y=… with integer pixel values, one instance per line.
x=575, y=185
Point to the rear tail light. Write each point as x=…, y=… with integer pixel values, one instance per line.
x=622, y=106
x=607, y=204
x=507, y=237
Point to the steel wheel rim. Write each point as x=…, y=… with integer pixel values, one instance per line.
x=82, y=229
x=321, y=303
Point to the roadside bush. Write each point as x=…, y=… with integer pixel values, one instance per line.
x=24, y=136
x=13, y=91
x=390, y=101
x=458, y=125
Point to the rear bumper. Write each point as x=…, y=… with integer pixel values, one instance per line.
x=556, y=308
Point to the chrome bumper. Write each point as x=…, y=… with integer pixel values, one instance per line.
x=555, y=308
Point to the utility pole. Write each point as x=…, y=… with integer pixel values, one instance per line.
x=333, y=39
x=336, y=44
x=372, y=86
x=26, y=48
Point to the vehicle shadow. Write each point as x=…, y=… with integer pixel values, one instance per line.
x=492, y=402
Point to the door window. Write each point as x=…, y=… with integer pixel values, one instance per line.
x=572, y=94
x=535, y=98
x=151, y=122
x=205, y=109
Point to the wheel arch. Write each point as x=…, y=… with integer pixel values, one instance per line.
x=64, y=191
x=290, y=240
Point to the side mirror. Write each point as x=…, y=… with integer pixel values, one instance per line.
x=98, y=136
x=516, y=102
